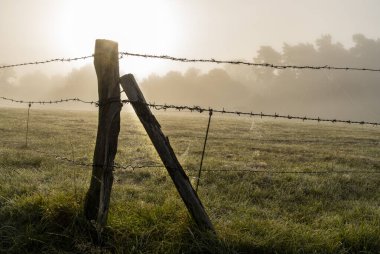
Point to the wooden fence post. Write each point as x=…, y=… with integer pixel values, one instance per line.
x=106, y=63
x=166, y=153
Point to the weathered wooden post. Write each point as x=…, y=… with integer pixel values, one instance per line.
x=166, y=153
x=106, y=63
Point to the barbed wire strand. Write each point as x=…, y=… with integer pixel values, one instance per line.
x=50, y=101
x=133, y=167
x=266, y=65
x=295, y=172
x=198, y=60
x=47, y=61
x=88, y=164
x=251, y=114
x=199, y=110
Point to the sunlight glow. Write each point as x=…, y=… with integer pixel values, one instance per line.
x=121, y=21
x=137, y=26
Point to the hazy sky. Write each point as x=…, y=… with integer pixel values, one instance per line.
x=225, y=29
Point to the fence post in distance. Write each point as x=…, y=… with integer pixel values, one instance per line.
x=27, y=125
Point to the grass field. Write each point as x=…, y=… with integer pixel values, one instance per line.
x=41, y=197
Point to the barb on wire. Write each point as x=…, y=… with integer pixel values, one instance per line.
x=267, y=65
x=47, y=61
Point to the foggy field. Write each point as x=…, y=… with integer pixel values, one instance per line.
x=301, y=175
x=320, y=209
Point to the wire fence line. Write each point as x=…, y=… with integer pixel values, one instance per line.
x=191, y=109
x=200, y=60
x=88, y=164
x=251, y=114
x=133, y=167
x=198, y=109
x=49, y=101
x=47, y=61
x=164, y=107
x=295, y=172
x=267, y=65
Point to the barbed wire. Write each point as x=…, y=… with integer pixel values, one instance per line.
x=133, y=167
x=199, y=60
x=88, y=164
x=47, y=61
x=251, y=114
x=295, y=172
x=49, y=101
x=278, y=140
x=198, y=109
x=161, y=166
x=267, y=65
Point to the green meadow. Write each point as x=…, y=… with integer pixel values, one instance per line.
x=268, y=185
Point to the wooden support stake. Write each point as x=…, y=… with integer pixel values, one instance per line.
x=27, y=126
x=107, y=70
x=204, y=149
x=166, y=153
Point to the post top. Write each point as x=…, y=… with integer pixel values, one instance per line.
x=103, y=45
x=104, y=41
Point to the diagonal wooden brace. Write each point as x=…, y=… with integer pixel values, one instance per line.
x=166, y=153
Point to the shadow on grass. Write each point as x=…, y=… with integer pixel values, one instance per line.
x=55, y=224
x=35, y=225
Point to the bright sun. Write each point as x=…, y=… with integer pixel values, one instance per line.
x=137, y=26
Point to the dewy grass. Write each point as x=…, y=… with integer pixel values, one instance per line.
x=19, y=160
x=253, y=212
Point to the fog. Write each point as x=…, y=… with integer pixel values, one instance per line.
x=78, y=83
x=325, y=93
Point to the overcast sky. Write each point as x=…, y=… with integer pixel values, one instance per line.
x=220, y=29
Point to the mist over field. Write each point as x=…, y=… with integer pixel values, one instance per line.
x=325, y=93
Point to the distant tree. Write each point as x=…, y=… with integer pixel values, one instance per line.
x=267, y=54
